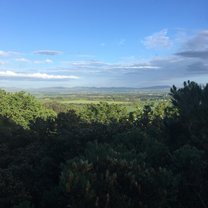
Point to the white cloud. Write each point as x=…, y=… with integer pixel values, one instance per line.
x=25, y=60
x=12, y=74
x=7, y=53
x=154, y=70
x=46, y=61
x=87, y=63
x=96, y=66
x=22, y=60
x=137, y=66
x=4, y=53
x=158, y=40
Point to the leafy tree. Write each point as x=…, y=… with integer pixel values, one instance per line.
x=108, y=178
x=103, y=113
x=22, y=108
x=191, y=102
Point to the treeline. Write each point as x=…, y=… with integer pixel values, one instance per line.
x=102, y=156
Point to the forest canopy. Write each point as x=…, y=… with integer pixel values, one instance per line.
x=104, y=156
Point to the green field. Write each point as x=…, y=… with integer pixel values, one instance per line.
x=66, y=99
x=94, y=102
x=130, y=101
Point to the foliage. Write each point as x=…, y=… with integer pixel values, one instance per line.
x=103, y=156
x=103, y=113
x=109, y=178
x=22, y=108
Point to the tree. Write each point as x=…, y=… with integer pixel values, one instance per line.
x=191, y=102
x=22, y=108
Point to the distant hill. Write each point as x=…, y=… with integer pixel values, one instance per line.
x=159, y=87
x=98, y=90
x=92, y=90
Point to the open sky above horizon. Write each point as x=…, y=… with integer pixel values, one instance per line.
x=103, y=43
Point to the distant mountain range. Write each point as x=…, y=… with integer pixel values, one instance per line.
x=98, y=90
x=92, y=90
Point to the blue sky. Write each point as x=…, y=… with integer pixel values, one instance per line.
x=102, y=43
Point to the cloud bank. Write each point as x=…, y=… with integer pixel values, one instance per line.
x=194, y=54
x=196, y=47
x=198, y=42
x=12, y=74
x=186, y=62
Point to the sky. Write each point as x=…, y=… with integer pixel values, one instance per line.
x=102, y=43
